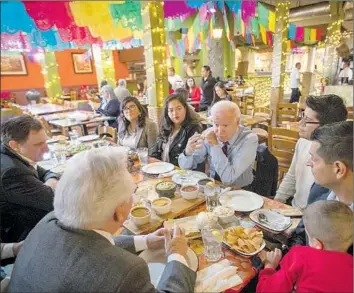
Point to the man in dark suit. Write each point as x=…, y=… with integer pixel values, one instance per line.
x=73, y=248
x=26, y=189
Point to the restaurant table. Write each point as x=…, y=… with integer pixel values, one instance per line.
x=67, y=124
x=43, y=109
x=246, y=120
x=245, y=269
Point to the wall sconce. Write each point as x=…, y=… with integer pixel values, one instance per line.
x=217, y=33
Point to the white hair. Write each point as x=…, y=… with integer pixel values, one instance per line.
x=122, y=82
x=226, y=106
x=93, y=184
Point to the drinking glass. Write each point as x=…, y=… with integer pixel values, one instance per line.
x=212, y=239
x=74, y=136
x=211, y=196
x=143, y=155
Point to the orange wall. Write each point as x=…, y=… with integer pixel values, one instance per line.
x=120, y=69
x=34, y=78
x=66, y=70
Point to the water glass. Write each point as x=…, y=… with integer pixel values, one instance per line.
x=59, y=155
x=74, y=136
x=143, y=155
x=212, y=240
x=211, y=196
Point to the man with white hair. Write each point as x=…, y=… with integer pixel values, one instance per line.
x=73, y=250
x=121, y=90
x=230, y=148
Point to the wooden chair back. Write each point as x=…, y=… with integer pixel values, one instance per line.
x=350, y=113
x=281, y=143
x=109, y=131
x=47, y=127
x=287, y=112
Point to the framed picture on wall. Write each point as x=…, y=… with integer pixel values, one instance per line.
x=13, y=64
x=81, y=63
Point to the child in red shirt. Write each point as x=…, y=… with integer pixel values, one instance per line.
x=324, y=266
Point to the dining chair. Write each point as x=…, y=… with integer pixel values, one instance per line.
x=261, y=129
x=281, y=143
x=49, y=128
x=287, y=112
x=109, y=131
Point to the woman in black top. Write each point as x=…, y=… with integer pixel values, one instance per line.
x=207, y=85
x=220, y=93
x=177, y=126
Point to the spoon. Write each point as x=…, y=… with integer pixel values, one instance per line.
x=263, y=218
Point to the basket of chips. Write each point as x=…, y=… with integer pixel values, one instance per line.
x=244, y=241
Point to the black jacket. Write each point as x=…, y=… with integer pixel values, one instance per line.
x=207, y=91
x=266, y=174
x=178, y=145
x=112, y=109
x=24, y=199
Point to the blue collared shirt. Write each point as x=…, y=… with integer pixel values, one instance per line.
x=236, y=168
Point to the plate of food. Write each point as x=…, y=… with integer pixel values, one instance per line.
x=157, y=168
x=241, y=200
x=188, y=224
x=73, y=149
x=271, y=220
x=157, y=259
x=184, y=177
x=244, y=241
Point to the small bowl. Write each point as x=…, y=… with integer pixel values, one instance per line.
x=189, y=191
x=140, y=217
x=161, y=205
x=224, y=214
x=166, y=189
x=203, y=182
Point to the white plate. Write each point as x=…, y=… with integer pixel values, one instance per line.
x=277, y=222
x=158, y=168
x=241, y=200
x=156, y=260
x=52, y=140
x=87, y=138
x=188, y=177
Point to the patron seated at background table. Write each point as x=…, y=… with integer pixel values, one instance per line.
x=135, y=129
x=194, y=92
x=207, y=86
x=320, y=110
x=324, y=266
x=220, y=93
x=110, y=105
x=76, y=240
x=331, y=163
x=177, y=126
x=229, y=147
x=174, y=79
x=33, y=97
x=26, y=189
x=121, y=90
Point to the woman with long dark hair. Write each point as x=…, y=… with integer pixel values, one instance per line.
x=177, y=126
x=220, y=93
x=194, y=91
x=207, y=85
x=135, y=129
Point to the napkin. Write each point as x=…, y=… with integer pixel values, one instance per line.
x=277, y=221
x=217, y=277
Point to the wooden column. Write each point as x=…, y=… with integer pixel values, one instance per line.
x=279, y=57
x=154, y=41
x=333, y=40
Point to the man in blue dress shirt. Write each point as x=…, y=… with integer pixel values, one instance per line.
x=230, y=148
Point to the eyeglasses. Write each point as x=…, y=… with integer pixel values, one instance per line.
x=131, y=108
x=304, y=121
